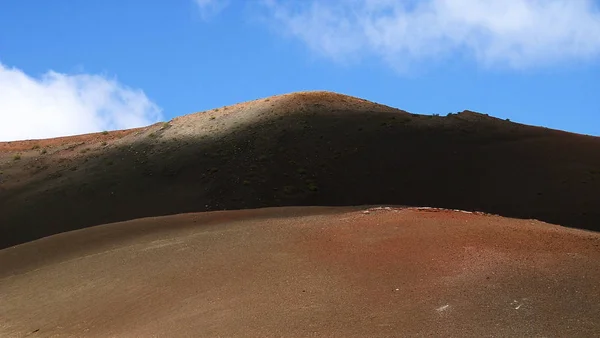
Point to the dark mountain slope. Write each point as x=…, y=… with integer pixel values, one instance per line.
x=301, y=149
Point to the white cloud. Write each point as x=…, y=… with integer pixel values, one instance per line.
x=210, y=8
x=507, y=33
x=59, y=104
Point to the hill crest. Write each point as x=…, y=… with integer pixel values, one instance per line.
x=299, y=149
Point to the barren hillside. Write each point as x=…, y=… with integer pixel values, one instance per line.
x=314, y=148
x=306, y=272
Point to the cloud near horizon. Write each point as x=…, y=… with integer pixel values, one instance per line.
x=495, y=33
x=60, y=104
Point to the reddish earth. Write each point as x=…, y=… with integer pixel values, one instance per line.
x=306, y=272
x=27, y=145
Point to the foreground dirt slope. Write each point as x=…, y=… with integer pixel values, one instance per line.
x=314, y=148
x=306, y=272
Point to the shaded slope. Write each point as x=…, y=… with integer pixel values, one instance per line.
x=306, y=272
x=306, y=149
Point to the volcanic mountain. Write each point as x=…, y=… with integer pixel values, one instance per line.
x=343, y=226
x=300, y=149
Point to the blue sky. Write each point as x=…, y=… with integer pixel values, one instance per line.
x=69, y=67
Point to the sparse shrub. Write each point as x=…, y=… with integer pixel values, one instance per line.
x=103, y=143
x=37, y=146
x=436, y=115
x=507, y=120
x=246, y=182
x=105, y=132
x=312, y=186
x=17, y=157
x=43, y=151
x=72, y=147
x=212, y=117
x=109, y=162
x=301, y=171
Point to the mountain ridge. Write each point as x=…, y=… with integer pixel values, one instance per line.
x=300, y=149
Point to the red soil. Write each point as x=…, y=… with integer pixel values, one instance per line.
x=93, y=138
x=306, y=272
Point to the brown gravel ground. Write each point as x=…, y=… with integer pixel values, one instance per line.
x=306, y=272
